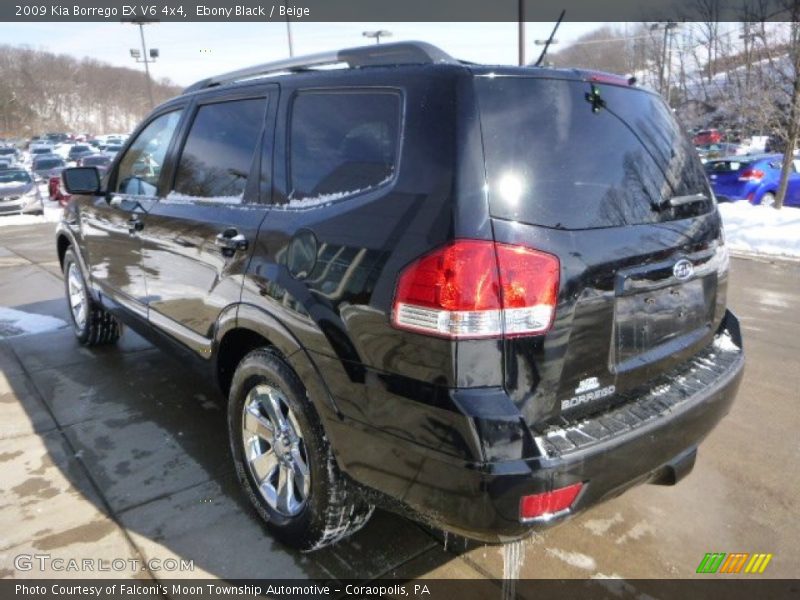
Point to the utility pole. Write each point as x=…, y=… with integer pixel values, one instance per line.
x=521, y=32
x=289, y=33
x=143, y=56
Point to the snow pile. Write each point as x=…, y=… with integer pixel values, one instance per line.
x=16, y=322
x=761, y=230
x=52, y=214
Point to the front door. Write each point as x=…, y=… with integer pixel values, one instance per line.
x=200, y=234
x=112, y=225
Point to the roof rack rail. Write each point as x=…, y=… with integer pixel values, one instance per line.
x=400, y=53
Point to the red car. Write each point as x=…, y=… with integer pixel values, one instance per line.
x=707, y=136
x=56, y=191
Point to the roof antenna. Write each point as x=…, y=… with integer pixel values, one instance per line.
x=550, y=39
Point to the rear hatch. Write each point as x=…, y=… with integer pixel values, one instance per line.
x=729, y=176
x=601, y=176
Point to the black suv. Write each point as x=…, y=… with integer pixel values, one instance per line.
x=488, y=297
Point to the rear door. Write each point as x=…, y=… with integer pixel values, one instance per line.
x=111, y=225
x=200, y=233
x=602, y=177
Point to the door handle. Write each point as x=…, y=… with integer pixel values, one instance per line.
x=134, y=225
x=230, y=241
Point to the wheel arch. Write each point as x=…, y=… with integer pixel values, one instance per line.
x=243, y=328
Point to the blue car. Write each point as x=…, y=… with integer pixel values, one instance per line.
x=752, y=178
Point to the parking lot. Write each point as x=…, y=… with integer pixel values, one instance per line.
x=122, y=453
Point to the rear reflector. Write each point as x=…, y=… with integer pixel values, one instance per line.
x=478, y=289
x=548, y=503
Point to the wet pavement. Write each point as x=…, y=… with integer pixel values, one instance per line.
x=122, y=453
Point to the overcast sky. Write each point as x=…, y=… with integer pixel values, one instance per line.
x=192, y=51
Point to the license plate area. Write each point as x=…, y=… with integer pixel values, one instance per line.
x=651, y=318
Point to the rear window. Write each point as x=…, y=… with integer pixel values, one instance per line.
x=94, y=161
x=80, y=149
x=726, y=166
x=49, y=163
x=342, y=142
x=7, y=151
x=575, y=155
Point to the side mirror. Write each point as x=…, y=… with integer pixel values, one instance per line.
x=81, y=180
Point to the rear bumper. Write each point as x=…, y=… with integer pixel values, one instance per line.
x=653, y=438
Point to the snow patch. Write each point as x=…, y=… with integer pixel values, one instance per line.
x=601, y=526
x=760, y=229
x=322, y=199
x=176, y=198
x=52, y=214
x=637, y=531
x=16, y=322
x=574, y=559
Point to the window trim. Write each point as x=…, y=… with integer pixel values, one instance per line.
x=266, y=94
x=401, y=114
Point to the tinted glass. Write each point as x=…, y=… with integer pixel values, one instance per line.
x=12, y=177
x=48, y=163
x=140, y=167
x=726, y=166
x=80, y=148
x=96, y=161
x=219, y=150
x=342, y=142
x=561, y=155
x=7, y=151
x=41, y=151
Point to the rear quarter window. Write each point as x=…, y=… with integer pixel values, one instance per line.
x=341, y=143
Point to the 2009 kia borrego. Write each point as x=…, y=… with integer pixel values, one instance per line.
x=490, y=297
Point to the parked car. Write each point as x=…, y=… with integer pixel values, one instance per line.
x=48, y=166
x=111, y=150
x=752, y=178
x=100, y=161
x=6, y=163
x=711, y=151
x=708, y=136
x=19, y=194
x=37, y=150
x=420, y=285
x=79, y=150
x=9, y=153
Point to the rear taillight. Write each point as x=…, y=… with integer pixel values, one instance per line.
x=548, y=503
x=751, y=175
x=478, y=289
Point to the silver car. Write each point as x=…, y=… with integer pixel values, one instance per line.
x=19, y=194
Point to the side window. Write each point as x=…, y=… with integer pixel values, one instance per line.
x=140, y=168
x=342, y=143
x=219, y=151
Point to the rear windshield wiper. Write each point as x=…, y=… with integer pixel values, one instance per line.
x=676, y=201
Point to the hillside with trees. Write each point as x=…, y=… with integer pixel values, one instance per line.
x=41, y=91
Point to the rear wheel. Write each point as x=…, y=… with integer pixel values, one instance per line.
x=283, y=459
x=768, y=199
x=93, y=326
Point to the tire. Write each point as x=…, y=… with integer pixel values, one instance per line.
x=768, y=199
x=94, y=326
x=316, y=506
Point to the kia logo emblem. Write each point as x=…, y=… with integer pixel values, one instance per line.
x=683, y=269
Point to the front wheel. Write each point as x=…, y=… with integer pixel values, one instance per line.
x=283, y=459
x=93, y=325
x=768, y=199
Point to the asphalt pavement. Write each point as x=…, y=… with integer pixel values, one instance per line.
x=122, y=453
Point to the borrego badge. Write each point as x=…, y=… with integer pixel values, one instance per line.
x=587, y=391
x=683, y=269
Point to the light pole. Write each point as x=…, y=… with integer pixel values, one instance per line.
x=377, y=34
x=143, y=56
